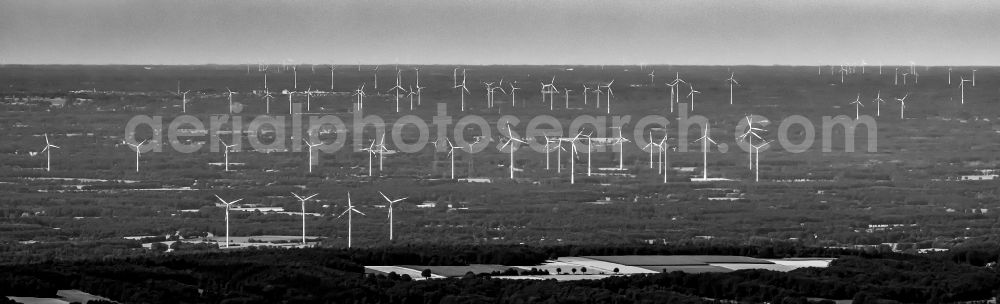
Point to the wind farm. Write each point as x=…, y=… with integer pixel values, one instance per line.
x=178, y=183
x=615, y=152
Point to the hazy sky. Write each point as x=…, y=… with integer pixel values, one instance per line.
x=791, y=32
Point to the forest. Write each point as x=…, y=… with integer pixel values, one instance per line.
x=321, y=275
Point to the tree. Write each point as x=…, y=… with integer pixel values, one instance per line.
x=573, y=270
x=426, y=273
x=861, y=297
x=558, y=270
x=615, y=270
x=161, y=247
x=583, y=269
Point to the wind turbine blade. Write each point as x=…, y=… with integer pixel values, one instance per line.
x=505, y=145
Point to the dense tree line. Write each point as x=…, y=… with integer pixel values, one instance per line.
x=334, y=276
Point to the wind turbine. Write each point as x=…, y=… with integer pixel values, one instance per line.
x=451, y=153
x=290, y=93
x=311, y=146
x=463, y=91
x=961, y=85
x=590, y=150
x=610, y=93
x=509, y=142
x=705, y=139
x=973, y=77
x=552, y=91
x=512, y=89
x=677, y=79
x=597, y=93
x=878, y=101
x=585, y=89
x=360, y=93
x=757, y=165
x=389, y=202
x=895, y=77
x=184, y=101
x=549, y=148
x=572, y=157
x=420, y=91
x=396, y=89
x=309, y=94
x=137, y=152
x=418, y=84
x=228, y=205
x=350, y=210
x=375, y=72
x=748, y=135
x=731, y=82
x=410, y=94
x=267, y=100
x=226, y=150
x=489, y=94
x=48, y=153
x=857, y=106
x=651, y=146
x=548, y=88
x=691, y=94
x=295, y=71
x=371, y=155
x=559, y=150
x=673, y=87
x=620, y=140
x=303, y=200
x=652, y=76
x=567, y=96
x=663, y=155
x=902, y=104
x=381, y=151
x=230, y=99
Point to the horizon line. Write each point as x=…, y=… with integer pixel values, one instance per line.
x=480, y=64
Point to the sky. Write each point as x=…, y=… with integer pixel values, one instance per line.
x=593, y=32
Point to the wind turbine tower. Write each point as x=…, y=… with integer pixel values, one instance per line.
x=303, y=200
x=228, y=205
x=389, y=203
x=350, y=211
x=48, y=153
